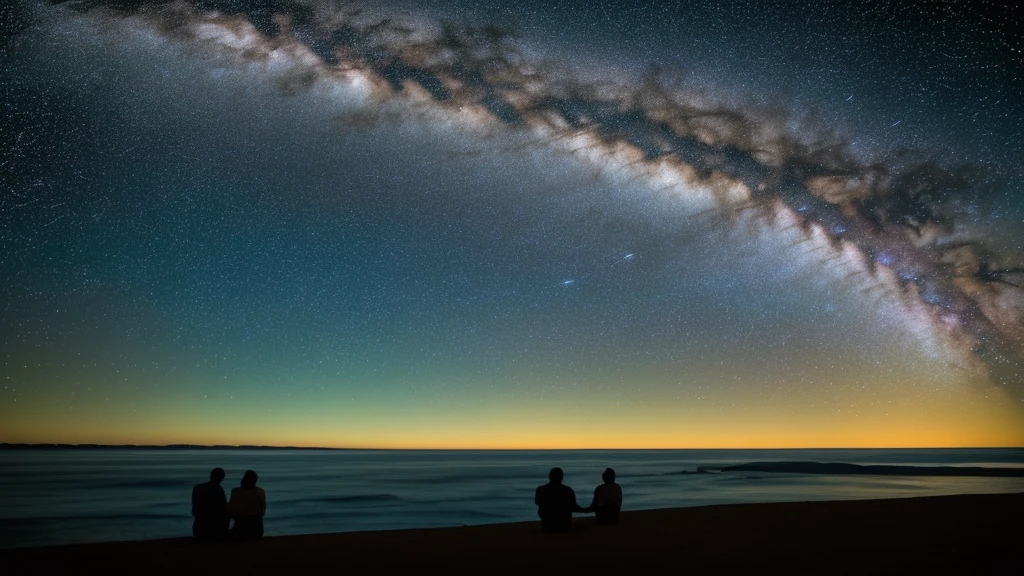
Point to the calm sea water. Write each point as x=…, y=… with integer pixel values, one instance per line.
x=70, y=496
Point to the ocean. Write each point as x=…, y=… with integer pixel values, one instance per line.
x=64, y=496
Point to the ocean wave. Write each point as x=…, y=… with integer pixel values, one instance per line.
x=305, y=517
x=360, y=498
x=49, y=520
x=161, y=483
x=479, y=514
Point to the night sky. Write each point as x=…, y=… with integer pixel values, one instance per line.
x=512, y=224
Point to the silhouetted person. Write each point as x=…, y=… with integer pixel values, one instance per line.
x=209, y=507
x=248, y=505
x=555, y=503
x=607, y=499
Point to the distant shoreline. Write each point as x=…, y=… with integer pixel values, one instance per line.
x=52, y=446
x=7, y=446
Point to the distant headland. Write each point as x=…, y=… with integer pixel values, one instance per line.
x=875, y=470
x=7, y=446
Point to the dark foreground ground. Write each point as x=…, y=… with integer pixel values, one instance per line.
x=945, y=534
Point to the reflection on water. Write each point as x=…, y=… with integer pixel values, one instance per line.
x=64, y=496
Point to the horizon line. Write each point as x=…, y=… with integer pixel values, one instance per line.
x=54, y=445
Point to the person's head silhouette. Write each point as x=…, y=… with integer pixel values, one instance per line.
x=249, y=479
x=608, y=476
x=555, y=476
x=216, y=475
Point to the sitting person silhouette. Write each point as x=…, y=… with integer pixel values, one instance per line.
x=555, y=503
x=248, y=506
x=209, y=508
x=607, y=499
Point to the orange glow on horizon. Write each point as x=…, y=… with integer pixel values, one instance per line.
x=1002, y=430
x=910, y=413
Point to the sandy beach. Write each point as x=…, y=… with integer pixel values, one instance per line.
x=945, y=534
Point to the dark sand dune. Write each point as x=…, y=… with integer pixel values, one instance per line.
x=946, y=534
x=874, y=469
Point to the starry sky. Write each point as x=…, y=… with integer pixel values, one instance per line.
x=523, y=224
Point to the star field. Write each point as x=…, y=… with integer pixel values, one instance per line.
x=518, y=225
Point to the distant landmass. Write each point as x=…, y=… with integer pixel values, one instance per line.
x=7, y=446
x=878, y=469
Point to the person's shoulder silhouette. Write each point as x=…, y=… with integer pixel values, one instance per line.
x=209, y=508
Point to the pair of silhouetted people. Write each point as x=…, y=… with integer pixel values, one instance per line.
x=556, y=502
x=213, y=512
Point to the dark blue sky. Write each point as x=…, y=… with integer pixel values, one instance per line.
x=234, y=241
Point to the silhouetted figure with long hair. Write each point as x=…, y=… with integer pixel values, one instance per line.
x=607, y=499
x=248, y=505
x=209, y=508
x=555, y=503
